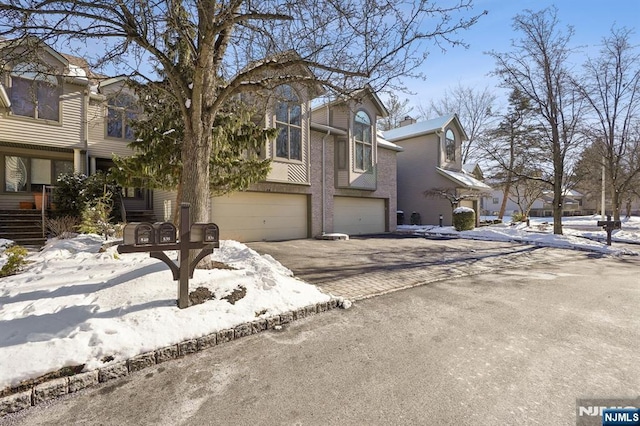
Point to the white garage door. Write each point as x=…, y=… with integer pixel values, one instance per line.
x=357, y=216
x=255, y=216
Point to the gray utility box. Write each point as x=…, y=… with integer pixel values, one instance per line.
x=166, y=233
x=138, y=234
x=205, y=232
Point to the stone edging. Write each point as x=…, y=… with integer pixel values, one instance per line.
x=56, y=388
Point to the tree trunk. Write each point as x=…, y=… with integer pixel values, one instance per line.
x=505, y=196
x=557, y=206
x=616, y=203
x=195, y=173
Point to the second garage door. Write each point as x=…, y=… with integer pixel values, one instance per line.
x=255, y=216
x=357, y=216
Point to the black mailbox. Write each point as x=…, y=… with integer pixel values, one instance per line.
x=204, y=232
x=613, y=224
x=165, y=232
x=138, y=234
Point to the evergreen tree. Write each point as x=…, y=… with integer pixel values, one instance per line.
x=235, y=160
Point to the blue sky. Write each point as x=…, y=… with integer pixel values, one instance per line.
x=591, y=19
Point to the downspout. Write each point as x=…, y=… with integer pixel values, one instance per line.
x=85, y=129
x=324, y=172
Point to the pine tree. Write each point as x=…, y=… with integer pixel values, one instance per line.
x=235, y=161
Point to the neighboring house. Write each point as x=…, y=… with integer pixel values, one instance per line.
x=331, y=173
x=56, y=116
x=542, y=206
x=432, y=160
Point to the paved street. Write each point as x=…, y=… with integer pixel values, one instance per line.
x=514, y=345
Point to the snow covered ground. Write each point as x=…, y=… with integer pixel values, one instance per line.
x=75, y=305
x=580, y=233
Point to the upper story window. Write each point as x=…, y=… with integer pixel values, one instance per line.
x=289, y=122
x=121, y=110
x=450, y=145
x=34, y=93
x=362, y=131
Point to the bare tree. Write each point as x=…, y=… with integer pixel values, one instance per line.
x=398, y=110
x=525, y=192
x=210, y=51
x=537, y=67
x=475, y=108
x=453, y=195
x=611, y=87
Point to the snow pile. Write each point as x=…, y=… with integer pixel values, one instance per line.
x=540, y=232
x=75, y=305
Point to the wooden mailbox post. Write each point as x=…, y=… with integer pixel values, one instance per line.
x=609, y=225
x=157, y=238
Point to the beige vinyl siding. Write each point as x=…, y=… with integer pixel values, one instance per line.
x=358, y=216
x=64, y=134
x=164, y=205
x=99, y=145
x=257, y=216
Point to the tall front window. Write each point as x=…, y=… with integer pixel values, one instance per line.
x=289, y=122
x=34, y=94
x=121, y=110
x=362, y=138
x=450, y=145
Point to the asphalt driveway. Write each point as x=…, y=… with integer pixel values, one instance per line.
x=368, y=266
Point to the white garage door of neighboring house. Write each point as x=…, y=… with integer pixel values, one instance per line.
x=256, y=216
x=357, y=216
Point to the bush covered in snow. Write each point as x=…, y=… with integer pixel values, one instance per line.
x=464, y=219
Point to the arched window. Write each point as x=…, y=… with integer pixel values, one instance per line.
x=121, y=110
x=450, y=145
x=35, y=93
x=289, y=122
x=362, y=139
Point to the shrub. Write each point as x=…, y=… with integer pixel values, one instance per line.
x=96, y=215
x=74, y=191
x=68, y=194
x=518, y=217
x=464, y=219
x=62, y=226
x=15, y=260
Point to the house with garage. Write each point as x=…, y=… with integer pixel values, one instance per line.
x=331, y=172
x=431, y=161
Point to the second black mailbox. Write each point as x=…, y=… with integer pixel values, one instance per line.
x=166, y=232
x=138, y=234
x=205, y=232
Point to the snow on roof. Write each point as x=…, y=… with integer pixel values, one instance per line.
x=420, y=128
x=383, y=143
x=463, y=179
x=469, y=167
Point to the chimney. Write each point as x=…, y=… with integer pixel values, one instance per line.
x=407, y=121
